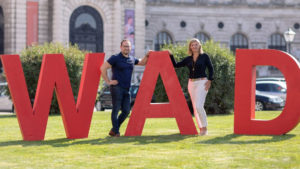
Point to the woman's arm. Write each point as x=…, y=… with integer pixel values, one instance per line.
x=177, y=64
x=210, y=69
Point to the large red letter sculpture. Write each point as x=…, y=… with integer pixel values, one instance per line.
x=244, y=113
x=159, y=63
x=54, y=74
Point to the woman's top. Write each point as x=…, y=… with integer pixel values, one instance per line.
x=197, y=69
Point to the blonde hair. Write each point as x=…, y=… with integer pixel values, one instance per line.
x=190, y=52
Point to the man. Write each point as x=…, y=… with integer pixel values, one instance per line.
x=122, y=67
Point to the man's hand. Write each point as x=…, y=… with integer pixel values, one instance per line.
x=113, y=82
x=148, y=53
x=143, y=62
x=103, y=69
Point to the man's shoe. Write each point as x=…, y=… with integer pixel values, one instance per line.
x=112, y=133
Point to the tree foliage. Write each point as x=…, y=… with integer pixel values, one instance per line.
x=32, y=57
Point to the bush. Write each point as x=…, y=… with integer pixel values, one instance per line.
x=220, y=98
x=31, y=59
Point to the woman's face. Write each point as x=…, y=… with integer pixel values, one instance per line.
x=195, y=46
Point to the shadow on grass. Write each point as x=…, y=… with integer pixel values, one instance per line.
x=13, y=115
x=3, y=116
x=255, y=139
x=137, y=140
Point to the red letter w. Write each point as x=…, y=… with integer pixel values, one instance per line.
x=54, y=75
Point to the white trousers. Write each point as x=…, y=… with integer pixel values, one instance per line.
x=198, y=94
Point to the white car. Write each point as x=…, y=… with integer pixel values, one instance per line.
x=275, y=88
x=6, y=104
x=280, y=79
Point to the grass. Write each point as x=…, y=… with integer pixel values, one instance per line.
x=160, y=146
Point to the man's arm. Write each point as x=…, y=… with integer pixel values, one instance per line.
x=103, y=69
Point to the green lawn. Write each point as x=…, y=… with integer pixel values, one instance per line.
x=160, y=146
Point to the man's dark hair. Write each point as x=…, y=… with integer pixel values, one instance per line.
x=124, y=40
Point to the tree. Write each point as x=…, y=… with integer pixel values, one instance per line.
x=32, y=57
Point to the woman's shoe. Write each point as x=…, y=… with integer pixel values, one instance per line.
x=203, y=132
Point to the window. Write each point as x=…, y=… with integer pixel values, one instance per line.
x=276, y=88
x=86, y=29
x=265, y=87
x=258, y=25
x=161, y=39
x=188, y=1
x=203, y=37
x=277, y=41
x=183, y=24
x=221, y=25
x=238, y=40
x=146, y=23
x=262, y=87
x=296, y=25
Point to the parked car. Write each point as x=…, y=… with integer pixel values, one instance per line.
x=6, y=104
x=267, y=102
x=275, y=88
x=104, y=100
x=280, y=79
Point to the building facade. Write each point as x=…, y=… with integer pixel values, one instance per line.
x=100, y=25
x=253, y=24
x=95, y=25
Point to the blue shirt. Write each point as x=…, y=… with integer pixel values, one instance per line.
x=122, y=68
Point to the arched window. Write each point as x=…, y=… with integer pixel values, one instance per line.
x=86, y=29
x=1, y=36
x=238, y=40
x=161, y=39
x=277, y=41
x=203, y=37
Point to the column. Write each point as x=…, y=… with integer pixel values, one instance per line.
x=57, y=22
x=140, y=32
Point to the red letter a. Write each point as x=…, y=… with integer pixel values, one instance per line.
x=53, y=74
x=160, y=63
x=244, y=113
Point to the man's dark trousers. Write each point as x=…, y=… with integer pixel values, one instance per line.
x=120, y=101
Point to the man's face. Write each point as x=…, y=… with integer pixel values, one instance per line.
x=125, y=48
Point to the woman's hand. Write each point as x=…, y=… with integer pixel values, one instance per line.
x=207, y=85
x=168, y=50
x=113, y=82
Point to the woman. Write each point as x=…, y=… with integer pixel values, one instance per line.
x=198, y=84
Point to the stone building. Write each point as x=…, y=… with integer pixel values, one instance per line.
x=100, y=25
x=95, y=25
x=253, y=24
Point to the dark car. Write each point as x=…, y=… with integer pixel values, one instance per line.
x=104, y=100
x=267, y=102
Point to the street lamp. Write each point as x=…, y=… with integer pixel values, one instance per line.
x=289, y=37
